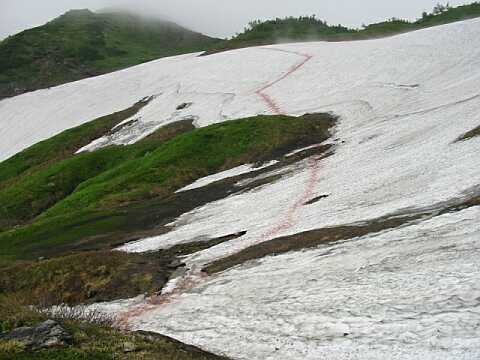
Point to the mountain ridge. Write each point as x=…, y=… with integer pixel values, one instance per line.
x=81, y=44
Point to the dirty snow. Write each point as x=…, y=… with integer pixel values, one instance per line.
x=410, y=293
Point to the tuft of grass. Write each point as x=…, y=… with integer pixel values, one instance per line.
x=15, y=312
x=469, y=134
x=11, y=347
x=57, y=354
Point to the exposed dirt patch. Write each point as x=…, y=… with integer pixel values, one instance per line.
x=171, y=130
x=193, y=247
x=306, y=240
x=316, y=199
x=184, y=106
x=470, y=134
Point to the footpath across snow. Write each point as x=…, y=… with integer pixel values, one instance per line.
x=411, y=292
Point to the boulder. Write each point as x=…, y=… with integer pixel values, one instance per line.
x=45, y=335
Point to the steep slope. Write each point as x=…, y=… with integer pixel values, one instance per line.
x=369, y=251
x=81, y=44
x=89, y=195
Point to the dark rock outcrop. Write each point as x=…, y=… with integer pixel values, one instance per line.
x=47, y=334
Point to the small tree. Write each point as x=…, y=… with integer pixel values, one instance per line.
x=439, y=9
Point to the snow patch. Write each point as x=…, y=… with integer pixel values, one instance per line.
x=239, y=170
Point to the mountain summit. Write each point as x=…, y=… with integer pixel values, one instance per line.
x=81, y=43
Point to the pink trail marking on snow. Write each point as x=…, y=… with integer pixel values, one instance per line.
x=195, y=278
x=289, y=219
x=267, y=99
x=308, y=193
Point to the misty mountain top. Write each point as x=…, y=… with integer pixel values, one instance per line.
x=82, y=43
x=118, y=14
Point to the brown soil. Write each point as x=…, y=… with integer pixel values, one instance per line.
x=470, y=134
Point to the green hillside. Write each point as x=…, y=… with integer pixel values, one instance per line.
x=309, y=28
x=81, y=44
x=52, y=199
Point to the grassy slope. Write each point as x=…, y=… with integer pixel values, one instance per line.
x=43, y=187
x=185, y=159
x=92, y=340
x=95, y=276
x=43, y=163
x=80, y=44
x=96, y=193
x=85, y=277
x=310, y=29
x=63, y=145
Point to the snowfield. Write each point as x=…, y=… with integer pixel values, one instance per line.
x=411, y=292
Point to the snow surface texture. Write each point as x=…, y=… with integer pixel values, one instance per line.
x=408, y=293
x=411, y=293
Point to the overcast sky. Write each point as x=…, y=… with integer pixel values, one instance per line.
x=222, y=18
